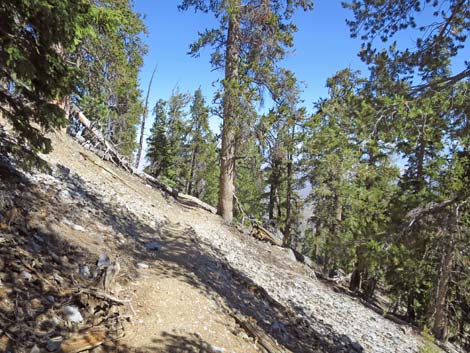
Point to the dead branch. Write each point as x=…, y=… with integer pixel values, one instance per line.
x=432, y=208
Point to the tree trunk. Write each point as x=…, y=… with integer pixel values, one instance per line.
x=290, y=185
x=189, y=189
x=287, y=228
x=142, y=124
x=227, y=153
x=274, y=185
x=445, y=271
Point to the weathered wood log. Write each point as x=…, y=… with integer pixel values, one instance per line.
x=84, y=341
x=122, y=162
x=195, y=202
x=263, y=341
x=261, y=233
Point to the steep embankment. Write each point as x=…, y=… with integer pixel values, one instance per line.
x=195, y=284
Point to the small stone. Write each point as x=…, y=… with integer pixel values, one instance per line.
x=85, y=271
x=357, y=347
x=35, y=349
x=103, y=261
x=26, y=276
x=142, y=265
x=54, y=344
x=152, y=245
x=72, y=314
x=50, y=298
x=55, y=321
x=73, y=225
x=78, y=228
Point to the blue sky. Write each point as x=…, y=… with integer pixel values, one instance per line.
x=322, y=47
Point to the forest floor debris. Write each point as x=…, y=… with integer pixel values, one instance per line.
x=171, y=278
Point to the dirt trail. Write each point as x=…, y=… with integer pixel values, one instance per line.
x=197, y=285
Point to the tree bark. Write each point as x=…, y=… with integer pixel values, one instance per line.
x=189, y=189
x=275, y=181
x=142, y=124
x=445, y=271
x=227, y=154
x=290, y=185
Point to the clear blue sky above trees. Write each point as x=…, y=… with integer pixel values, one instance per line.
x=322, y=46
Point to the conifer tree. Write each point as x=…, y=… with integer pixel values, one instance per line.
x=109, y=62
x=159, y=152
x=201, y=145
x=54, y=51
x=34, y=75
x=421, y=91
x=251, y=39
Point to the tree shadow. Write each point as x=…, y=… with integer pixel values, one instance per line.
x=53, y=263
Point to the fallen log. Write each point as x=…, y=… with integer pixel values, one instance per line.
x=122, y=162
x=84, y=341
x=262, y=340
x=195, y=202
x=261, y=233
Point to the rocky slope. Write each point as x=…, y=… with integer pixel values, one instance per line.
x=195, y=284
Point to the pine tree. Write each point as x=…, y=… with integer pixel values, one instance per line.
x=348, y=165
x=251, y=39
x=34, y=75
x=159, y=152
x=421, y=91
x=51, y=52
x=109, y=62
x=201, y=145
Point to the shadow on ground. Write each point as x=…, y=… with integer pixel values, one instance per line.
x=30, y=303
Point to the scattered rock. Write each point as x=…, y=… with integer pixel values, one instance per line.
x=215, y=349
x=142, y=266
x=54, y=344
x=85, y=271
x=72, y=314
x=26, y=276
x=74, y=226
x=357, y=347
x=102, y=264
x=152, y=245
x=35, y=349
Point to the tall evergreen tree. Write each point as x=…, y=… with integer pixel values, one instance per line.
x=34, y=75
x=159, y=153
x=347, y=160
x=52, y=51
x=199, y=127
x=250, y=41
x=109, y=62
x=421, y=90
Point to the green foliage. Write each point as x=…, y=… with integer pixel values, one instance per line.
x=181, y=148
x=410, y=228
x=347, y=164
x=35, y=35
x=250, y=41
x=109, y=63
x=50, y=50
x=159, y=153
x=429, y=345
